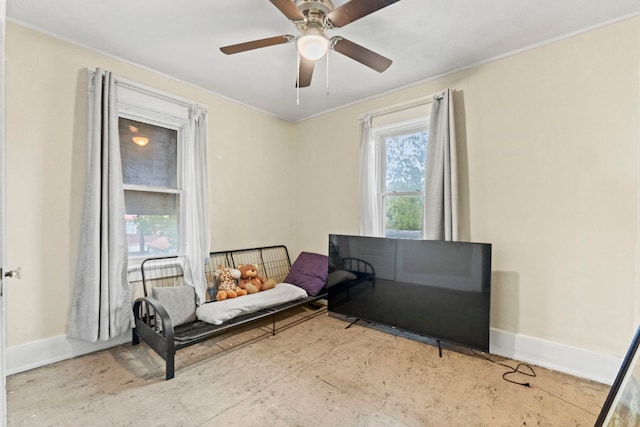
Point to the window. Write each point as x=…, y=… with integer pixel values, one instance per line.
x=401, y=150
x=162, y=165
x=152, y=187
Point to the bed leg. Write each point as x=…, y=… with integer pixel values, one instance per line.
x=273, y=325
x=135, y=339
x=170, y=367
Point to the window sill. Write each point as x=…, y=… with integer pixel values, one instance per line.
x=134, y=271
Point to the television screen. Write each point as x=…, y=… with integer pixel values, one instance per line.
x=432, y=288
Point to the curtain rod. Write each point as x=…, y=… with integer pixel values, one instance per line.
x=401, y=106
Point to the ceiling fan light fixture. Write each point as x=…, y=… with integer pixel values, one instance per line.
x=312, y=46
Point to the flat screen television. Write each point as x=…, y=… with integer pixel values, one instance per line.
x=436, y=289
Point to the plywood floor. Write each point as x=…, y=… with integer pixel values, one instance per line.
x=312, y=373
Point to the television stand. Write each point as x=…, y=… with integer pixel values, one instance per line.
x=357, y=319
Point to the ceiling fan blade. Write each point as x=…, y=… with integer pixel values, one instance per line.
x=288, y=9
x=361, y=54
x=305, y=72
x=354, y=10
x=256, y=44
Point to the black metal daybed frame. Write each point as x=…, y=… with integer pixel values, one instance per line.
x=154, y=326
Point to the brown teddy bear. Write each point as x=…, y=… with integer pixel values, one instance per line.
x=227, y=287
x=251, y=281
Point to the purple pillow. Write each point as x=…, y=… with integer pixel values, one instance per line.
x=309, y=272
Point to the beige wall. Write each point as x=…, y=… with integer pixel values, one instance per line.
x=249, y=156
x=548, y=144
x=548, y=152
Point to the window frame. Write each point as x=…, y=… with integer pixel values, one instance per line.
x=379, y=135
x=139, y=103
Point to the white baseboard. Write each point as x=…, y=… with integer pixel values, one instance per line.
x=558, y=357
x=35, y=354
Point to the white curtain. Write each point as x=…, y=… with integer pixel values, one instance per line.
x=370, y=209
x=441, y=182
x=101, y=307
x=196, y=209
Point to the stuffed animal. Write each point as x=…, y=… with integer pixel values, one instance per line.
x=227, y=286
x=251, y=281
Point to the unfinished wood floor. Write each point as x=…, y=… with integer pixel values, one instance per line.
x=312, y=373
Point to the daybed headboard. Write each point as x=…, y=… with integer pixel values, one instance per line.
x=272, y=261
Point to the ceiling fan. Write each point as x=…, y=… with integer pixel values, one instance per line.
x=313, y=18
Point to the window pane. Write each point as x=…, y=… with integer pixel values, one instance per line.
x=405, y=160
x=150, y=203
x=152, y=222
x=153, y=164
x=403, y=216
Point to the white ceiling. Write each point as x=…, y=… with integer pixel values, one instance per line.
x=424, y=38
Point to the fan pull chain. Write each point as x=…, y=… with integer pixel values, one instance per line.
x=328, y=71
x=298, y=80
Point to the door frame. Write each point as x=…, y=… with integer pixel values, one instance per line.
x=3, y=317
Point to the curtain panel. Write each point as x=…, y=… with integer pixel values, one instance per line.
x=441, y=173
x=101, y=306
x=196, y=195
x=370, y=209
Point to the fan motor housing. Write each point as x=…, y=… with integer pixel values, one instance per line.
x=314, y=10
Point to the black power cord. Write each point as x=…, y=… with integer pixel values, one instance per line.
x=530, y=373
x=522, y=368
